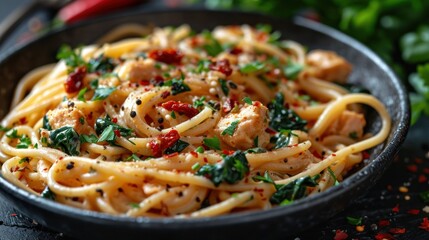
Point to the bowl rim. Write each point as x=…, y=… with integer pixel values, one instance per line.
x=349, y=184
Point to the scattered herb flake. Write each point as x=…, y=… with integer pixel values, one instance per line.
x=231, y=128
x=213, y=143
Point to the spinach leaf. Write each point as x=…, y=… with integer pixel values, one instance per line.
x=177, y=147
x=108, y=130
x=293, y=190
x=233, y=169
x=101, y=64
x=102, y=93
x=282, y=118
x=66, y=139
x=255, y=66
x=177, y=86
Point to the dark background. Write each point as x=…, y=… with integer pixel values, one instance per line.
x=392, y=209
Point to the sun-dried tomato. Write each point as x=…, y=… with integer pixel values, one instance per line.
x=222, y=66
x=163, y=141
x=169, y=55
x=181, y=108
x=74, y=81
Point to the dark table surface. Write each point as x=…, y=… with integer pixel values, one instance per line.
x=392, y=209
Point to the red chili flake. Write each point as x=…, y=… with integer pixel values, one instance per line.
x=418, y=160
x=256, y=103
x=229, y=105
x=157, y=80
x=413, y=211
x=74, y=81
x=222, y=66
x=365, y=155
x=383, y=223
x=194, y=41
x=397, y=230
x=165, y=94
x=227, y=152
x=259, y=190
x=426, y=170
x=115, y=120
x=181, y=108
x=270, y=131
x=13, y=214
x=262, y=36
x=316, y=154
x=205, y=160
x=340, y=235
x=169, y=55
x=23, y=120
x=117, y=132
x=144, y=82
x=236, y=51
x=334, y=155
x=384, y=236
x=422, y=178
x=396, y=208
x=412, y=168
x=195, y=154
x=425, y=224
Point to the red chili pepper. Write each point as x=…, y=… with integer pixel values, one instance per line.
x=181, y=108
x=81, y=9
x=169, y=55
x=340, y=235
x=74, y=81
x=222, y=66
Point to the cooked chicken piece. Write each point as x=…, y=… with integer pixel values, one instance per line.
x=137, y=70
x=252, y=122
x=69, y=117
x=349, y=124
x=328, y=65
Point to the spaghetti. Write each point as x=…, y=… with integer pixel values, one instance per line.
x=186, y=125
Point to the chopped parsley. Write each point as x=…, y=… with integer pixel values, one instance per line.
x=291, y=70
x=102, y=93
x=199, y=102
x=177, y=86
x=108, y=130
x=4, y=129
x=23, y=160
x=424, y=196
x=354, y=221
x=231, y=128
x=72, y=58
x=13, y=133
x=81, y=94
x=48, y=194
x=212, y=46
x=248, y=100
x=45, y=123
x=224, y=87
x=173, y=115
x=196, y=166
x=203, y=66
x=199, y=149
x=353, y=135
x=333, y=176
x=233, y=169
x=133, y=157
x=88, y=138
x=252, y=67
x=24, y=142
x=212, y=143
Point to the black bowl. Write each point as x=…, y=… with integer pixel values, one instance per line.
x=369, y=71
